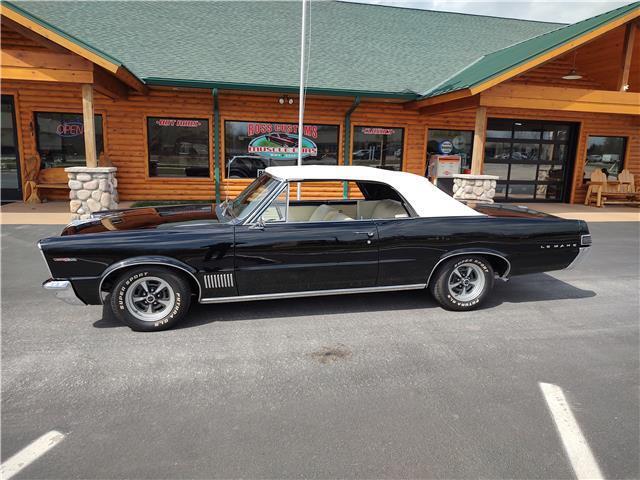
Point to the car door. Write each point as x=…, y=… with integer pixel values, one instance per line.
x=409, y=248
x=284, y=257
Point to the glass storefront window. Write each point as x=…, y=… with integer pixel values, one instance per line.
x=250, y=147
x=550, y=173
x=525, y=152
x=521, y=191
x=379, y=147
x=499, y=169
x=523, y=171
x=178, y=147
x=451, y=142
x=606, y=154
x=499, y=128
x=555, y=132
x=60, y=139
x=527, y=130
x=497, y=151
x=530, y=157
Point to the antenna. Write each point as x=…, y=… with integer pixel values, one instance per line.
x=302, y=89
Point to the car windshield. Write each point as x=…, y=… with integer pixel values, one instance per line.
x=250, y=198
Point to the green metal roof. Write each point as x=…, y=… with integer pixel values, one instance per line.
x=355, y=48
x=508, y=58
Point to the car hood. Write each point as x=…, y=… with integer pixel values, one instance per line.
x=175, y=216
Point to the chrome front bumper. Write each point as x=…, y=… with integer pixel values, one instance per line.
x=62, y=290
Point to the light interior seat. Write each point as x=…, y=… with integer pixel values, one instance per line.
x=389, y=209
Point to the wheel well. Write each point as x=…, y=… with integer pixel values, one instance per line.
x=500, y=265
x=112, y=277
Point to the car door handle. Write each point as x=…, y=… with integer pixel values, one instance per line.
x=368, y=234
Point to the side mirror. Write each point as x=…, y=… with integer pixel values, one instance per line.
x=259, y=225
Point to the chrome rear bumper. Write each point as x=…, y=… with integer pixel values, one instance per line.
x=62, y=290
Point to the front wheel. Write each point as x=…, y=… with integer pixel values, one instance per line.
x=149, y=299
x=462, y=283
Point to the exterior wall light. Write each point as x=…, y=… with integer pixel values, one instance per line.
x=573, y=74
x=285, y=99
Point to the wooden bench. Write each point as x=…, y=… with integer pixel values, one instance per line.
x=602, y=191
x=625, y=192
x=48, y=179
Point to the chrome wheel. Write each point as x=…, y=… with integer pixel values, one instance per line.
x=150, y=299
x=466, y=282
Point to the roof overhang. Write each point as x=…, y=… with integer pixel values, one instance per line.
x=174, y=82
x=521, y=67
x=43, y=29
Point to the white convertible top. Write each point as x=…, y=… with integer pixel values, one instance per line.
x=425, y=198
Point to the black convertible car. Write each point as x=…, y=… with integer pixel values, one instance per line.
x=395, y=232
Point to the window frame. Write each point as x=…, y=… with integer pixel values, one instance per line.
x=254, y=217
x=179, y=116
x=627, y=145
x=404, y=129
x=62, y=110
x=307, y=122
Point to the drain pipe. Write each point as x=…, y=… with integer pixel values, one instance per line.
x=216, y=142
x=347, y=142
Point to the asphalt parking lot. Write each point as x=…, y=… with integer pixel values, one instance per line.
x=366, y=386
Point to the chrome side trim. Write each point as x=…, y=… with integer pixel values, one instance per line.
x=313, y=293
x=579, y=258
x=504, y=276
x=63, y=290
x=146, y=261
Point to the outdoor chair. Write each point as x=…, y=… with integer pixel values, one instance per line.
x=596, y=183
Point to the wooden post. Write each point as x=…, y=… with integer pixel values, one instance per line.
x=479, y=134
x=88, y=120
x=627, y=50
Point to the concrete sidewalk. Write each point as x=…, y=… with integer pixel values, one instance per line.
x=57, y=213
x=47, y=213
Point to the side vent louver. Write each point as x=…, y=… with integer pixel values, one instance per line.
x=218, y=280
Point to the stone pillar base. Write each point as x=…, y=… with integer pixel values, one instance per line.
x=474, y=188
x=92, y=190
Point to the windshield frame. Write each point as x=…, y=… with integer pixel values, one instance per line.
x=273, y=187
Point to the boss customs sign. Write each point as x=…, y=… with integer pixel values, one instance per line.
x=280, y=140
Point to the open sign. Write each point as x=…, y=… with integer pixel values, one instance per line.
x=70, y=129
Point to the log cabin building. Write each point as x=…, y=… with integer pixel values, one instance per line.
x=190, y=100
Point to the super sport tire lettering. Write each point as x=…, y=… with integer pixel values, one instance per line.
x=439, y=287
x=178, y=284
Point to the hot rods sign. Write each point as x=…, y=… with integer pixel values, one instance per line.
x=280, y=140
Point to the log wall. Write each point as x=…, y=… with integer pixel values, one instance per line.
x=124, y=126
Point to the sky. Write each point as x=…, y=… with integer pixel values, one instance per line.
x=563, y=11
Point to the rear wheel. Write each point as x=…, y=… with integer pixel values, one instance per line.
x=150, y=299
x=462, y=283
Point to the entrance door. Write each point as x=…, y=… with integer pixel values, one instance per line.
x=9, y=160
x=533, y=159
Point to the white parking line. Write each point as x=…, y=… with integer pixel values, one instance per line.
x=582, y=460
x=30, y=453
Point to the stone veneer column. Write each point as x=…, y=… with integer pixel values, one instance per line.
x=92, y=190
x=474, y=188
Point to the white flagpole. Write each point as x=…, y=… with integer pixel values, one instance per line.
x=301, y=100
